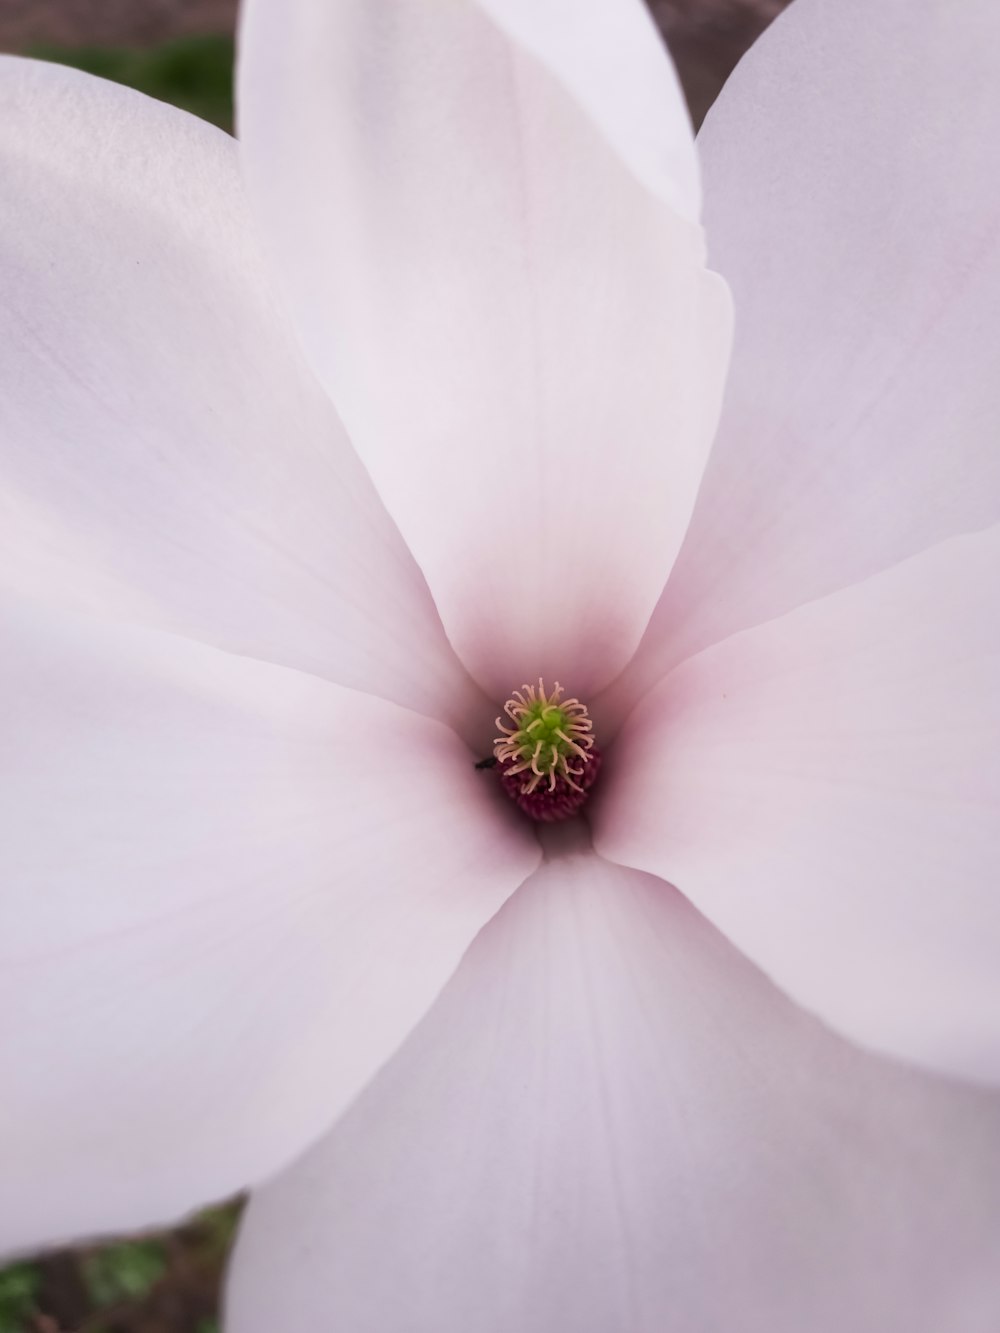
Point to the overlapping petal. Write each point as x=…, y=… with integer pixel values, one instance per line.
x=229, y=891
x=167, y=456
x=825, y=788
x=609, y=55
x=611, y=1121
x=520, y=336
x=849, y=205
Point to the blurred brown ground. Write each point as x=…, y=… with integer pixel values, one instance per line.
x=109, y=22
x=706, y=37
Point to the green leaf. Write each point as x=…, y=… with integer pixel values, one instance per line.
x=194, y=73
x=18, y=1288
x=124, y=1271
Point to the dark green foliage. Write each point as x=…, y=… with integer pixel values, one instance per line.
x=124, y=1271
x=18, y=1288
x=156, y=1284
x=195, y=73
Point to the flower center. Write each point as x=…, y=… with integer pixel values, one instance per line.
x=547, y=757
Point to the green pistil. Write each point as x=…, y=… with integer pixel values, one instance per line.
x=543, y=731
x=547, y=739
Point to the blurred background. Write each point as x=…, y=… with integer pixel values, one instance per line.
x=182, y=52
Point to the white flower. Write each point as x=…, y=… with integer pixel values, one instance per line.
x=255, y=897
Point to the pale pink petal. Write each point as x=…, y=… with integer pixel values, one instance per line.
x=229, y=890
x=826, y=789
x=850, y=204
x=165, y=455
x=609, y=55
x=520, y=337
x=611, y=1123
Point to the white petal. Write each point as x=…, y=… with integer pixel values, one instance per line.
x=826, y=788
x=850, y=204
x=165, y=455
x=520, y=337
x=611, y=1123
x=610, y=56
x=227, y=891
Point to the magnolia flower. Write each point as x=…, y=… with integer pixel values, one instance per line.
x=283, y=535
